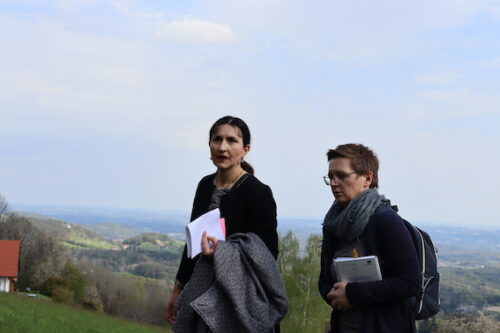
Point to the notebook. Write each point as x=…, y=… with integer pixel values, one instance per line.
x=362, y=269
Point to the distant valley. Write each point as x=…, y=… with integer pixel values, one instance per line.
x=125, y=223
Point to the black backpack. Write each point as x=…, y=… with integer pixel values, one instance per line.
x=427, y=302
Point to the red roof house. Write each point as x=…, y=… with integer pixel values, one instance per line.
x=9, y=264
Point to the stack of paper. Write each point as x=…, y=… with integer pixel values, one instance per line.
x=209, y=222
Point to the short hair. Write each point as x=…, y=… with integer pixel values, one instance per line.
x=362, y=158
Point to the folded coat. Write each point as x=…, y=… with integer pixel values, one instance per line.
x=238, y=290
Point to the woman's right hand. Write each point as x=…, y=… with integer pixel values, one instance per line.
x=338, y=298
x=208, y=245
x=171, y=310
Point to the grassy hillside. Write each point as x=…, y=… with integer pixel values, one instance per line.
x=160, y=240
x=22, y=314
x=71, y=234
x=114, y=230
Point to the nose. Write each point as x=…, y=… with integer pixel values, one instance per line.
x=223, y=145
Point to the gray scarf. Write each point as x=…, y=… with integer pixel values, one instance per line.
x=347, y=223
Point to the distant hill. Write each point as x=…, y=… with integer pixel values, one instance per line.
x=112, y=230
x=459, y=238
x=158, y=239
x=141, y=220
x=123, y=224
x=71, y=234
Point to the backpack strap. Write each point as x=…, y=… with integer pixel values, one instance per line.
x=371, y=228
x=371, y=232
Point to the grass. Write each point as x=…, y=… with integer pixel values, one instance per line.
x=19, y=313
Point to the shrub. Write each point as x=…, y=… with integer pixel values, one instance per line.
x=62, y=295
x=53, y=282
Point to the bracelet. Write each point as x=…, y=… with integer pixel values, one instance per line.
x=179, y=284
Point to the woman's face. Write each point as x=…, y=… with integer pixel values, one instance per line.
x=226, y=147
x=345, y=183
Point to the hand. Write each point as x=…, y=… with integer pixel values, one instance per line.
x=208, y=245
x=338, y=297
x=171, y=310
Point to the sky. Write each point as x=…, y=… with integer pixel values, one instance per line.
x=109, y=103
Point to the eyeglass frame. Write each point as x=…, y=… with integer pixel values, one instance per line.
x=328, y=180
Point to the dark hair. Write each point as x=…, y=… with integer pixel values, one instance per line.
x=245, y=135
x=362, y=158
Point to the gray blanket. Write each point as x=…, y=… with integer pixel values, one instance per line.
x=239, y=290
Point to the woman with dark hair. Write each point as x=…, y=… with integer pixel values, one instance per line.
x=358, y=217
x=249, y=210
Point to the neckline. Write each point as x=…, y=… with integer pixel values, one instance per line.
x=235, y=180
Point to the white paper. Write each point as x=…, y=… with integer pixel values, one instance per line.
x=209, y=222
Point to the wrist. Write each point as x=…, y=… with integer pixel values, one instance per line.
x=178, y=286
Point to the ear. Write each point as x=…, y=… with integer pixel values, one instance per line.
x=368, y=179
x=247, y=149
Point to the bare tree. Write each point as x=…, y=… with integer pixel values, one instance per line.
x=4, y=207
x=41, y=255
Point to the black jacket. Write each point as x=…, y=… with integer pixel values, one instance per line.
x=387, y=304
x=248, y=207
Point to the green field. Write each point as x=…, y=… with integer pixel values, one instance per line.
x=20, y=314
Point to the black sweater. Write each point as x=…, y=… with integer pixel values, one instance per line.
x=387, y=304
x=248, y=207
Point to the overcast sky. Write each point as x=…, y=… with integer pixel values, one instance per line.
x=108, y=103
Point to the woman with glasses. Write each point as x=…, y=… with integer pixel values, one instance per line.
x=358, y=215
x=249, y=210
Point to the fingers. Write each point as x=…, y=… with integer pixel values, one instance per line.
x=340, y=285
x=331, y=294
x=208, y=244
x=204, y=244
x=171, y=309
x=337, y=297
x=170, y=313
x=337, y=305
x=212, y=241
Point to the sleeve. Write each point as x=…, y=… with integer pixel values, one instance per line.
x=186, y=265
x=325, y=282
x=262, y=213
x=402, y=278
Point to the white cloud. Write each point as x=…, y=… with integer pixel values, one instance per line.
x=195, y=31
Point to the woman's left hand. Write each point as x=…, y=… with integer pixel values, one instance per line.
x=338, y=297
x=208, y=245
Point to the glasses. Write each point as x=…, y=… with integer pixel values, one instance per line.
x=338, y=177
